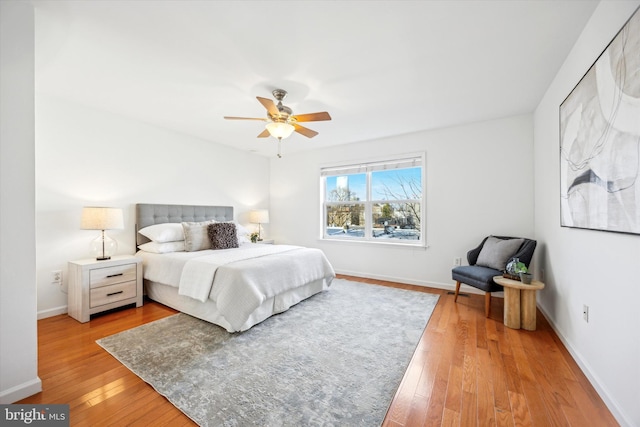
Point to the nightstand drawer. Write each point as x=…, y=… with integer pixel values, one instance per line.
x=108, y=294
x=111, y=275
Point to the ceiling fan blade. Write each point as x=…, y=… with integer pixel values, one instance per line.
x=312, y=117
x=305, y=131
x=264, y=134
x=244, y=118
x=269, y=105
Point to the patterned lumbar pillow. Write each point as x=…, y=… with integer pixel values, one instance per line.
x=223, y=235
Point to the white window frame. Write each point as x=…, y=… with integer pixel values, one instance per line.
x=367, y=167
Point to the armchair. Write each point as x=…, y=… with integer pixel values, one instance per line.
x=489, y=259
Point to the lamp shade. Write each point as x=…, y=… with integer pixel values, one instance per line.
x=280, y=130
x=259, y=216
x=100, y=218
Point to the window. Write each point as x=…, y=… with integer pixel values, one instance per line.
x=375, y=201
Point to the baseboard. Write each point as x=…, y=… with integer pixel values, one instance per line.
x=436, y=285
x=52, y=312
x=593, y=378
x=21, y=391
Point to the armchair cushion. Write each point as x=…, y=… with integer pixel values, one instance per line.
x=495, y=253
x=477, y=276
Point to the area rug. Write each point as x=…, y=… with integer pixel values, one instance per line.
x=335, y=359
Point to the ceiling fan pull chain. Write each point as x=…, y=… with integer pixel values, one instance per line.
x=279, y=148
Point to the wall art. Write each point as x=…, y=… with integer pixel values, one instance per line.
x=600, y=140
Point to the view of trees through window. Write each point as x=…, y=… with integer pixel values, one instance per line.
x=383, y=202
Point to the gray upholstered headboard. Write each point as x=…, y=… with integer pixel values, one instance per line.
x=149, y=214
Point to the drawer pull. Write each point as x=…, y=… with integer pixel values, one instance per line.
x=115, y=275
x=115, y=293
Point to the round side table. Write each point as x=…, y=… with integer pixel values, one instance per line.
x=519, y=302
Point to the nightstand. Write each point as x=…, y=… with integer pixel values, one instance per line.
x=97, y=286
x=266, y=242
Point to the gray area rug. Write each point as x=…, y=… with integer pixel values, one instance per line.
x=335, y=359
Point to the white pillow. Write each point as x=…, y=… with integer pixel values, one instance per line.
x=161, y=233
x=196, y=235
x=163, y=248
x=240, y=230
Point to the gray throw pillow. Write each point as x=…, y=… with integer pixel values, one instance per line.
x=496, y=252
x=195, y=236
x=223, y=235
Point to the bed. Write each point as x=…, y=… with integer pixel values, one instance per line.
x=235, y=288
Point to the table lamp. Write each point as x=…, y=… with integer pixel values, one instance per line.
x=259, y=216
x=101, y=218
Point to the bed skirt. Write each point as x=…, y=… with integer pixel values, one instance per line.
x=168, y=295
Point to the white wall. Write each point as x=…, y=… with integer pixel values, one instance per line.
x=18, y=328
x=86, y=157
x=479, y=182
x=588, y=267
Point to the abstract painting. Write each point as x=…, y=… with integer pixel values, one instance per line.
x=600, y=140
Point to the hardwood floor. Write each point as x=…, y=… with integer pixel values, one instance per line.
x=467, y=371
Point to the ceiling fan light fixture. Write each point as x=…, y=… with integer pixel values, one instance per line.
x=280, y=130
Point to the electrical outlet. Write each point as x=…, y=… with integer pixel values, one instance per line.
x=457, y=261
x=585, y=313
x=56, y=277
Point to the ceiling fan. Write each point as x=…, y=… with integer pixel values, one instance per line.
x=281, y=122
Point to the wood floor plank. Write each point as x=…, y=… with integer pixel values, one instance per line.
x=439, y=389
x=469, y=374
x=399, y=412
x=486, y=397
x=504, y=418
x=498, y=377
x=481, y=331
x=469, y=413
x=535, y=404
x=467, y=370
x=450, y=418
x=417, y=412
x=520, y=410
x=138, y=407
x=591, y=407
x=453, y=400
x=575, y=416
x=514, y=383
x=553, y=391
x=520, y=355
x=429, y=368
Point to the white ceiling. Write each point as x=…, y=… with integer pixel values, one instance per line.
x=380, y=68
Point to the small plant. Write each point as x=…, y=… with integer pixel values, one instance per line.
x=254, y=237
x=521, y=268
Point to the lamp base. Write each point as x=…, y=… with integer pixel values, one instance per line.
x=103, y=247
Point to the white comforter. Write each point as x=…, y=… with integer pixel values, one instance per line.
x=196, y=280
x=238, y=280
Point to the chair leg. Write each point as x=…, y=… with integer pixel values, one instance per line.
x=487, y=303
x=455, y=298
